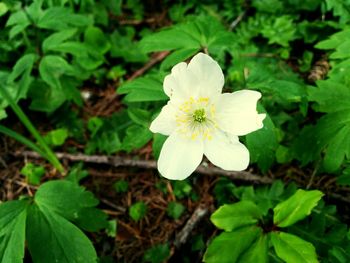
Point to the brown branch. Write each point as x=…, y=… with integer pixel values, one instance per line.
x=197, y=216
x=118, y=161
x=157, y=57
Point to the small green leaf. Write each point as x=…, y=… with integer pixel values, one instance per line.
x=229, y=246
x=175, y=210
x=296, y=208
x=157, y=254
x=12, y=231
x=233, y=216
x=121, y=186
x=293, y=249
x=33, y=173
x=96, y=39
x=56, y=137
x=138, y=211
x=136, y=137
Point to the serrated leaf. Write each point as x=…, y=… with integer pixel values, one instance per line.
x=233, y=216
x=229, y=246
x=51, y=238
x=12, y=231
x=296, y=208
x=293, y=249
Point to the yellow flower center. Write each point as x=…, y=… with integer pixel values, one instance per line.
x=196, y=118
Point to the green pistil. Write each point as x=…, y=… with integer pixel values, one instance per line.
x=199, y=115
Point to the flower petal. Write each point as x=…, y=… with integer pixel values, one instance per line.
x=165, y=122
x=181, y=83
x=209, y=74
x=236, y=112
x=226, y=152
x=179, y=157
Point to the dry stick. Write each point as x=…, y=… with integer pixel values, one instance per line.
x=196, y=217
x=118, y=161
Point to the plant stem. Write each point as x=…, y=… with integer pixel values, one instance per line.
x=49, y=155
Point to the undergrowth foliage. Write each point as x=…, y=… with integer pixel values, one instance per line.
x=57, y=58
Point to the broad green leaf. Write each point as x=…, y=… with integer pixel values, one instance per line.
x=233, y=216
x=12, y=231
x=158, y=141
x=296, y=208
x=258, y=252
x=262, y=145
x=3, y=9
x=293, y=249
x=51, y=238
x=140, y=116
x=72, y=202
x=229, y=246
x=143, y=89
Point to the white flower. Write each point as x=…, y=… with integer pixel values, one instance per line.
x=199, y=120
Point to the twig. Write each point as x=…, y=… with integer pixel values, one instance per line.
x=182, y=236
x=157, y=57
x=118, y=161
x=236, y=21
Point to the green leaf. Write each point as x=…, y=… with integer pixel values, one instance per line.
x=121, y=186
x=51, y=238
x=138, y=211
x=175, y=210
x=51, y=68
x=72, y=202
x=258, y=252
x=233, y=216
x=60, y=18
x=136, y=137
x=12, y=231
x=140, y=116
x=281, y=31
x=229, y=246
x=177, y=57
x=96, y=39
x=21, y=72
x=157, y=254
x=158, y=141
x=56, y=137
x=33, y=173
x=296, y=208
x=56, y=39
x=293, y=249
x=3, y=9
x=262, y=145
x=148, y=88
